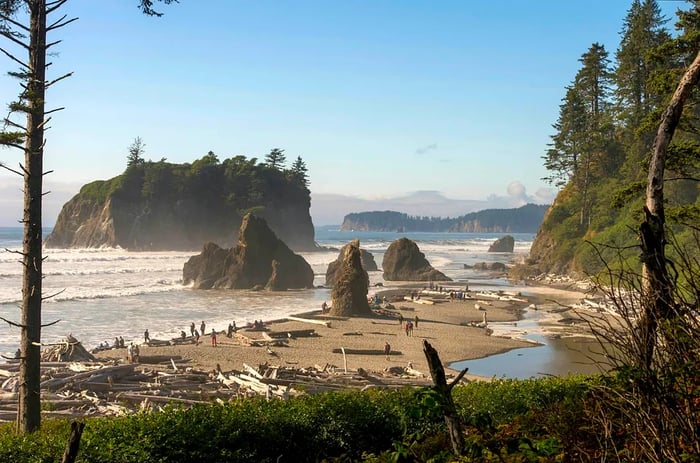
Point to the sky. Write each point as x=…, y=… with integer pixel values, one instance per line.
x=435, y=108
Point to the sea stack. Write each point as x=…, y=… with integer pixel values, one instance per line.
x=503, y=244
x=259, y=260
x=367, y=260
x=403, y=261
x=349, y=294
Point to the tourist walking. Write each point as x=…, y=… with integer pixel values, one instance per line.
x=146, y=336
x=213, y=337
x=387, y=349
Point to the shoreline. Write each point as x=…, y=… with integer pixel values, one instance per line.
x=452, y=327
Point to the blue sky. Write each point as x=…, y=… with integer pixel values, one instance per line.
x=435, y=108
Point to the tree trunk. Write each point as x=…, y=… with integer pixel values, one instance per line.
x=452, y=420
x=658, y=303
x=73, y=444
x=29, y=408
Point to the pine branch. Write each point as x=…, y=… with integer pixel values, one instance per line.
x=60, y=23
x=49, y=324
x=53, y=6
x=49, y=84
x=13, y=22
x=54, y=110
x=43, y=298
x=11, y=323
x=8, y=35
x=13, y=58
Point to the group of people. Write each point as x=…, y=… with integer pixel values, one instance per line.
x=408, y=325
x=132, y=353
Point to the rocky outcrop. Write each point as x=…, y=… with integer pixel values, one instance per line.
x=162, y=206
x=259, y=260
x=503, y=244
x=349, y=293
x=490, y=266
x=367, y=259
x=403, y=261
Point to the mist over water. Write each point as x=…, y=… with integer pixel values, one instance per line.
x=103, y=293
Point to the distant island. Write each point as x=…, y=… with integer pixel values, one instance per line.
x=525, y=219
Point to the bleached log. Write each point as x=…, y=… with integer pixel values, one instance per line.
x=116, y=371
x=252, y=371
x=308, y=320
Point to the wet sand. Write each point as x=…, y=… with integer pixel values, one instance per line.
x=445, y=325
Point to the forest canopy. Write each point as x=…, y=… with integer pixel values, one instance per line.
x=602, y=140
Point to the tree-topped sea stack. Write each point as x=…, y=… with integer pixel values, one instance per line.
x=366, y=258
x=403, y=261
x=166, y=206
x=259, y=260
x=349, y=293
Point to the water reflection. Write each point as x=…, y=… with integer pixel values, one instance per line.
x=550, y=357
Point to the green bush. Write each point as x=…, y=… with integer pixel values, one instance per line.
x=376, y=425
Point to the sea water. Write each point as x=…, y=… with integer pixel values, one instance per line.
x=97, y=294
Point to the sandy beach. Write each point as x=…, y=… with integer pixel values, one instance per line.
x=448, y=326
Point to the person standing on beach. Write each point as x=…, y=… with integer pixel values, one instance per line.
x=203, y=328
x=192, y=328
x=400, y=319
x=146, y=336
x=213, y=337
x=387, y=349
x=415, y=320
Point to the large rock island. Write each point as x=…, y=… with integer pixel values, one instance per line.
x=403, y=261
x=165, y=206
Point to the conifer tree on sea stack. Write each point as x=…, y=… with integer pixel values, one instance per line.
x=26, y=24
x=349, y=294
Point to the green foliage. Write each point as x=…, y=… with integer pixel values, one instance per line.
x=532, y=419
x=100, y=190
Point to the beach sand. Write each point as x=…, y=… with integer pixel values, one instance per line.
x=445, y=325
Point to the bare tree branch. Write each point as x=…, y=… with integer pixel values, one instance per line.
x=9, y=36
x=13, y=22
x=11, y=170
x=56, y=25
x=53, y=6
x=15, y=59
x=49, y=84
x=44, y=325
x=54, y=110
x=11, y=323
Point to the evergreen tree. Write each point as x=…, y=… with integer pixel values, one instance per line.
x=275, y=158
x=299, y=172
x=643, y=31
x=31, y=38
x=136, y=152
x=568, y=142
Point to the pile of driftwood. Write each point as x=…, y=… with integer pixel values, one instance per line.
x=76, y=389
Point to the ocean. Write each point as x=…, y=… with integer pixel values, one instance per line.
x=102, y=293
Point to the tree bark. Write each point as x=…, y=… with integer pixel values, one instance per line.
x=658, y=304
x=29, y=409
x=452, y=420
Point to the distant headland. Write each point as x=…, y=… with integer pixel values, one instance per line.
x=525, y=219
